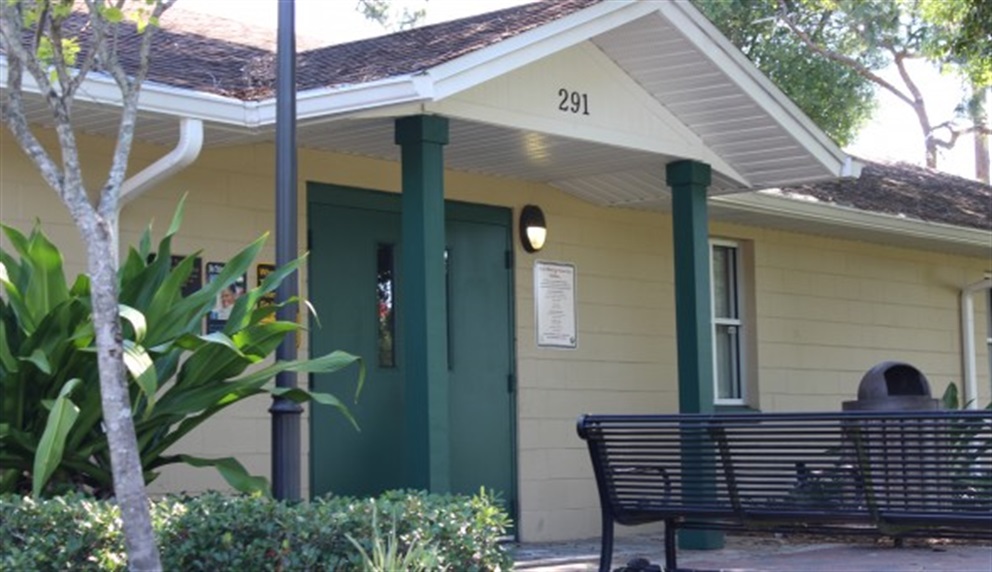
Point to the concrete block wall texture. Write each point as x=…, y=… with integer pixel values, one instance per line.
x=825, y=309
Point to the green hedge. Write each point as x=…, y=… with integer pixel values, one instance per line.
x=218, y=532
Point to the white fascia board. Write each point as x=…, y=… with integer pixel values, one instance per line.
x=316, y=103
x=481, y=65
x=157, y=98
x=701, y=32
x=840, y=216
x=335, y=101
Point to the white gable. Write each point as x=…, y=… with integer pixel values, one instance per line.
x=581, y=94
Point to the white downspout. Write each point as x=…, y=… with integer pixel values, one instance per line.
x=970, y=386
x=185, y=152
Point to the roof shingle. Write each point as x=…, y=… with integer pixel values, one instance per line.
x=901, y=189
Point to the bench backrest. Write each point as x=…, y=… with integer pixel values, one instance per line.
x=851, y=467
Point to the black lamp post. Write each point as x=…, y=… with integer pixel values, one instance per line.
x=286, y=413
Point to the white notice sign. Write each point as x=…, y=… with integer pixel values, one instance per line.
x=554, y=300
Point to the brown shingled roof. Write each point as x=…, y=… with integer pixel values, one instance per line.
x=419, y=49
x=902, y=189
x=227, y=58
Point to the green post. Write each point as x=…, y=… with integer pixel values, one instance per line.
x=689, y=181
x=422, y=139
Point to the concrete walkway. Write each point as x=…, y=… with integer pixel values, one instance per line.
x=759, y=553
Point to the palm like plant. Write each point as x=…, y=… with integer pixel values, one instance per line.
x=51, y=435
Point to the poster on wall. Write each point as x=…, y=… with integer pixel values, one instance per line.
x=224, y=302
x=262, y=272
x=554, y=301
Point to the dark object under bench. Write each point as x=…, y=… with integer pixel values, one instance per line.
x=901, y=474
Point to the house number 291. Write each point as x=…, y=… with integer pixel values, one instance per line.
x=573, y=101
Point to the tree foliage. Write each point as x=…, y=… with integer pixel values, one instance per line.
x=392, y=19
x=964, y=38
x=881, y=33
x=835, y=97
x=828, y=55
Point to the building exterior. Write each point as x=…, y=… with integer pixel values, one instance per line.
x=667, y=281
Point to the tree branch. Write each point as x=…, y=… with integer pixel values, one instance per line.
x=58, y=62
x=957, y=132
x=850, y=62
x=130, y=91
x=13, y=112
x=13, y=116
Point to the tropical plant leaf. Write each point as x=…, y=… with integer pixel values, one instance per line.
x=40, y=361
x=950, y=398
x=136, y=319
x=178, y=378
x=139, y=365
x=49, y=455
x=300, y=395
x=233, y=472
x=177, y=217
x=8, y=277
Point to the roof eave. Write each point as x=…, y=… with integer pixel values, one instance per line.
x=972, y=240
x=704, y=34
x=312, y=104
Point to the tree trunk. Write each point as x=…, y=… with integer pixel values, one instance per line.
x=978, y=108
x=129, y=484
x=982, y=157
x=931, y=145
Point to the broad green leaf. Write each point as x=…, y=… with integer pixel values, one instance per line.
x=142, y=370
x=40, y=361
x=251, y=298
x=329, y=363
x=49, y=454
x=8, y=363
x=950, y=398
x=232, y=471
x=137, y=320
x=48, y=285
x=299, y=395
x=177, y=217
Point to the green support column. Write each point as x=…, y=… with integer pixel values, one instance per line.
x=689, y=181
x=422, y=139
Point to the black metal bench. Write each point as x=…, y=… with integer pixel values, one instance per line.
x=904, y=474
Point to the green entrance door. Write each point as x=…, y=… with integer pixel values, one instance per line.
x=356, y=286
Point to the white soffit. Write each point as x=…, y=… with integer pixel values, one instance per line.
x=683, y=62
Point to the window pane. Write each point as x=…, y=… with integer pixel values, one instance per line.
x=385, y=310
x=724, y=281
x=727, y=349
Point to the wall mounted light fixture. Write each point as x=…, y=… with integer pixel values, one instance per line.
x=533, y=228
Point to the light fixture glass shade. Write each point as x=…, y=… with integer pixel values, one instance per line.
x=536, y=235
x=533, y=228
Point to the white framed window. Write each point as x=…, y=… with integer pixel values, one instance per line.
x=728, y=323
x=988, y=332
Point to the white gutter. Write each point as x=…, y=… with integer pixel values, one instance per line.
x=186, y=151
x=251, y=116
x=765, y=203
x=970, y=385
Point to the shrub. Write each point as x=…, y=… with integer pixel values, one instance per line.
x=218, y=532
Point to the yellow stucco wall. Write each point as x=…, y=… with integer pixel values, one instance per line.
x=826, y=309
